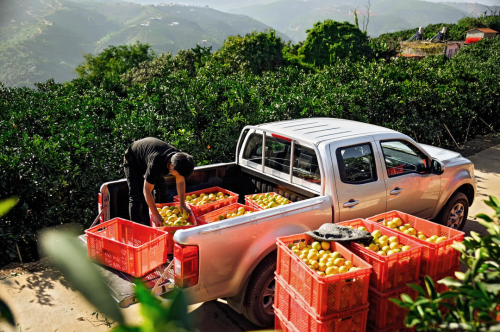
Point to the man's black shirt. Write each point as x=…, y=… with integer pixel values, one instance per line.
x=151, y=155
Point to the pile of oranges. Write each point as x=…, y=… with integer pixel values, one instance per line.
x=397, y=224
x=319, y=258
x=205, y=198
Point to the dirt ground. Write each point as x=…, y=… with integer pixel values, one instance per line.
x=16, y=269
x=478, y=144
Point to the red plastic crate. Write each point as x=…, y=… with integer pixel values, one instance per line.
x=437, y=258
x=281, y=324
x=251, y=203
x=395, y=170
x=302, y=321
x=214, y=215
x=127, y=246
x=199, y=210
x=389, y=272
x=384, y=313
x=324, y=295
x=170, y=230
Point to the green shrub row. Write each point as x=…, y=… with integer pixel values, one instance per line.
x=60, y=142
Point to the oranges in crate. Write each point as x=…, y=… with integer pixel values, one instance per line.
x=383, y=244
x=239, y=212
x=398, y=225
x=268, y=201
x=172, y=216
x=205, y=198
x=319, y=258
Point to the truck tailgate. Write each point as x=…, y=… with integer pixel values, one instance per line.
x=122, y=285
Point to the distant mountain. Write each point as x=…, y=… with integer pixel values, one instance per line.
x=42, y=39
x=294, y=17
x=476, y=8
x=488, y=3
x=223, y=5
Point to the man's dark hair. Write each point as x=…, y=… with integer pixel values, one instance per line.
x=183, y=163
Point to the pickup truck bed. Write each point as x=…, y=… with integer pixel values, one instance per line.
x=228, y=175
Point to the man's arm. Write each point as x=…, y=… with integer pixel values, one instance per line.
x=181, y=191
x=148, y=188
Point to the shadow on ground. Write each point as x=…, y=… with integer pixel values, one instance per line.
x=218, y=316
x=41, y=283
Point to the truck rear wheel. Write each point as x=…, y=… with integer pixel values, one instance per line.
x=454, y=214
x=259, y=299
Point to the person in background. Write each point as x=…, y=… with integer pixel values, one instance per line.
x=146, y=163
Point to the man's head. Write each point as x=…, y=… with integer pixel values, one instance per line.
x=181, y=164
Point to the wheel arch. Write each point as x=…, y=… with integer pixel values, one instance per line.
x=236, y=302
x=463, y=184
x=468, y=190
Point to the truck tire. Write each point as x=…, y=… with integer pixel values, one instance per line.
x=454, y=214
x=259, y=299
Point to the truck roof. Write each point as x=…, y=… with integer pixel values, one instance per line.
x=317, y=130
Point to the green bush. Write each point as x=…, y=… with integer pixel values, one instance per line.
x=60, y=142
x=254, y=53
x=114, y=61
x=329, y=41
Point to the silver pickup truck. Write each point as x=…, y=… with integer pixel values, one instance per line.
x=332, y=170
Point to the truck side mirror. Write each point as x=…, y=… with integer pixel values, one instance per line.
x=437, y=167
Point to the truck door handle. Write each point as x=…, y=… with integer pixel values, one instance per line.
x=351, y=203
x=396, y=191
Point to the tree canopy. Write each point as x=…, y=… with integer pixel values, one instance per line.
x=255, y=52
x=331, y=40
x=114, y=61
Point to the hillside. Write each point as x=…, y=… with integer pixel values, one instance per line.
x=294, y=17
x=46, y=39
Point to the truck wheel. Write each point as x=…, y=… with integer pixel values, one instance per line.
x=259, y=300
x=455, y=212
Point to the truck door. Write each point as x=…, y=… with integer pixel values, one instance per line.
x=411, y=187
x=359, y=182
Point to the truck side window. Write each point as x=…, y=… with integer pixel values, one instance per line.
x=277, y=155
x=402, y=157
x=305, y=164
x=357, y=164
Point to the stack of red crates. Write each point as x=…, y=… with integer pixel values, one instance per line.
x=439, y=260
x=305, y=301
x=389, y=278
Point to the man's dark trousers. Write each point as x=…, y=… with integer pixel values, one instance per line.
x=137, y=207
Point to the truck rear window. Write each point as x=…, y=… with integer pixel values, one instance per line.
x=278, y=152
x=306, y=170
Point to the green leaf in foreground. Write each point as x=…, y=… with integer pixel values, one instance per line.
x=6, y=314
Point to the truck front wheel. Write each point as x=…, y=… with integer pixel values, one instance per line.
x=454, y=214
x=259, y=300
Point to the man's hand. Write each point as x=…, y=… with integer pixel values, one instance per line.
x=157, y=220
x=185, y=208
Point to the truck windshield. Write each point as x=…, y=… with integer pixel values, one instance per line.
x=277, y=159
